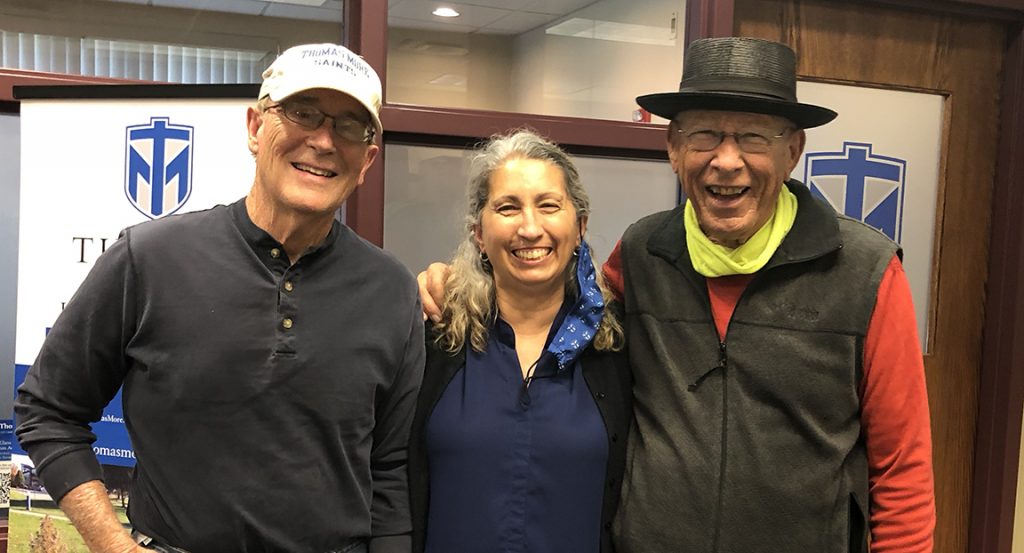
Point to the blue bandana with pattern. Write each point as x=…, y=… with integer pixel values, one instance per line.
x=580, y=324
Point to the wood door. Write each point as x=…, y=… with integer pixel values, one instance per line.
x=860, y=43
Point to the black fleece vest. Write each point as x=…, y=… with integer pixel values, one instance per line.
x=751, y=444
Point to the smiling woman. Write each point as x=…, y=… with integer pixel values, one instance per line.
x=525, y=404
x=528, y=230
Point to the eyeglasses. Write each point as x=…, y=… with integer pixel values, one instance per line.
x=310, y=118
x=749, y=142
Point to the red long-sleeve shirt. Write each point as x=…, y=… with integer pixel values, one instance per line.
x=894, y=407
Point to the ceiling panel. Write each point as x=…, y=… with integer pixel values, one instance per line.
x=513, y=5
x=558, y=7
x=305, y=12
x=429, y=25
x=483, y=16
x=519, y=22
x=248, y=7
x=325, y=10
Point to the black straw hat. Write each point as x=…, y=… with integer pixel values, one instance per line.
x=738, y=74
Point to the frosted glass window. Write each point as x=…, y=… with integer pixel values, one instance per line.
x=425, y=187
x=167, y=41
x=580, y=58
x=121, y=59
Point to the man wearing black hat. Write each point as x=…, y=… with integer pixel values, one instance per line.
x=778, y=380
x=779, y=393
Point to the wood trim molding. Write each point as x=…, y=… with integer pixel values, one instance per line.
x=567, y=131
x=9, y=78
x=1014, y=5
x=1001, y=386
x=973, y=9
x=708, y=19
x=366, y=23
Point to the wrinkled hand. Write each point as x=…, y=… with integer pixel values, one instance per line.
x=431, y=284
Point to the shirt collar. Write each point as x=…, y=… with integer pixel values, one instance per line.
x=262, y=242
x=576, y=323
x=503, y=333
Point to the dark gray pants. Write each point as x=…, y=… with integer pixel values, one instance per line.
x=150, y=543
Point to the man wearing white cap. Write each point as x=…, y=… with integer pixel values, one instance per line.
x=266, y=412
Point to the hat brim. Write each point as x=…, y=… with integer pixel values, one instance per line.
x=668, y=104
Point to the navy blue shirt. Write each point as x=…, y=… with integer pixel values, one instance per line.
x=515, y=469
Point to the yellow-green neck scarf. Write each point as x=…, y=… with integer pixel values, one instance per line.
x=712, y=260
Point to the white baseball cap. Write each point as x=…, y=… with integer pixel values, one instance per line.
x=324, y=66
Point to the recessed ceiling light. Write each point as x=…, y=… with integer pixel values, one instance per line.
x=445, y=12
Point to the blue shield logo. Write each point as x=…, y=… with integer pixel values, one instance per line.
x=860, y=184
x=158, y=166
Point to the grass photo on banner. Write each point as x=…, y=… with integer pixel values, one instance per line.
x=37, y=525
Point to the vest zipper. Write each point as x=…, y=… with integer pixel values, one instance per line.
x=722, y=366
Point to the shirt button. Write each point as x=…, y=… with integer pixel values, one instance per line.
x=288, y=286
x=275, y=253
x=600, y=395
x=287, y=323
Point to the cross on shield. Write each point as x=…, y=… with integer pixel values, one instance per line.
x=860, y=184
x=158, y=166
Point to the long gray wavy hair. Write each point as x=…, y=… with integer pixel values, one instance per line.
x=469, y=306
